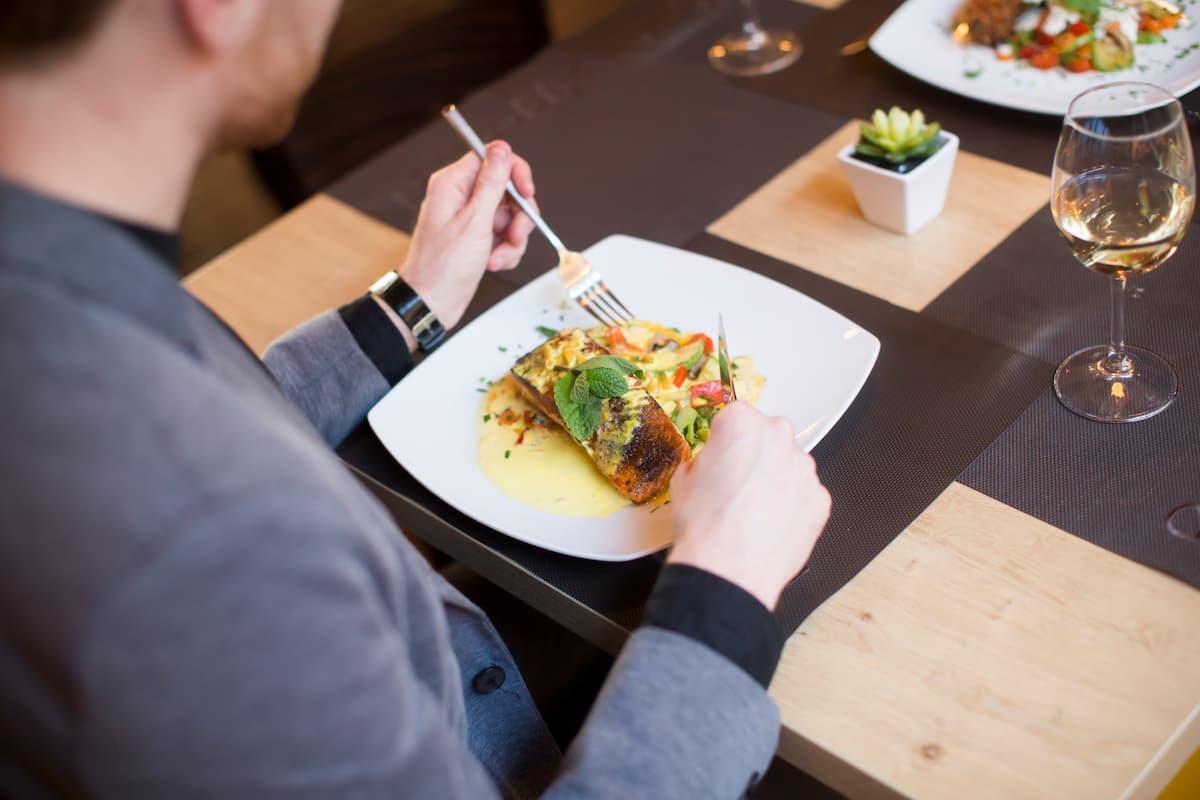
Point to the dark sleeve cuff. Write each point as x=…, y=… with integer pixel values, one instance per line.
x=716, y=613
x=378, y=337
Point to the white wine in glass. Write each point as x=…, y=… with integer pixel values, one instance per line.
x=754, y=49
x=1122, y=196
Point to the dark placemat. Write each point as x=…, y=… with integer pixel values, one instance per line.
x=657, y=151
x=1113, y=485
x=935, y=399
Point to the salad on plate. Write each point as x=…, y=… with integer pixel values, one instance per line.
x=1075, y=35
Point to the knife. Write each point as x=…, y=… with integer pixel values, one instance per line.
x=723, y=362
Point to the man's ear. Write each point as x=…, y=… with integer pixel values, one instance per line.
x=215, y=26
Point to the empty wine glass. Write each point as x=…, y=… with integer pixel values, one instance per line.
x=753, y=49
x=1122, y=196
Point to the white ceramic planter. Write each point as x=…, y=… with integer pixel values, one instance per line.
x=903, y=203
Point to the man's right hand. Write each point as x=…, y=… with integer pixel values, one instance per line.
x=750, y=507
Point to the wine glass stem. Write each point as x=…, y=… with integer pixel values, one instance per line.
x=1117, y=363
x=753, y=23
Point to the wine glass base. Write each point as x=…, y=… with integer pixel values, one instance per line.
x=760, y=53
x=1085, y=387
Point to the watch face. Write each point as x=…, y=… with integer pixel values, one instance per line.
x=384, y=282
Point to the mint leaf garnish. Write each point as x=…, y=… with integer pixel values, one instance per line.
x=579, y=390
x=616, y=363
x=581, y=419
x=562, y=391
x=605, y=382
x=547, y=331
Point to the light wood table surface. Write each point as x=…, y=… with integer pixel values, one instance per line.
x=982, y=654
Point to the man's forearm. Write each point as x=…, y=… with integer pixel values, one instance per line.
x=337, y=365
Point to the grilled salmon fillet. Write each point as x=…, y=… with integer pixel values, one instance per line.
x=635, y=446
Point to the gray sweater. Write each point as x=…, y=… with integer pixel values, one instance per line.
x=198, y=600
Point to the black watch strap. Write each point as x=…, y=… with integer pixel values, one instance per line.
x=408, y=305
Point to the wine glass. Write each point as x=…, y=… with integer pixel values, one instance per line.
x=753, y=49
x=1122, y=195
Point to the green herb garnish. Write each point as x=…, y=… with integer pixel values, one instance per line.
x=487, y=417
x=507, y=453
x=1089, y=7
x=580, y=392
x=546, y=331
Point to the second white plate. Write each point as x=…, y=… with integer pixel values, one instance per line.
x=916, y=39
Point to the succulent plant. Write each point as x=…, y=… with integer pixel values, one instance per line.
x=898, y=136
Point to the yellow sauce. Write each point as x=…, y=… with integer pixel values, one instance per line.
x=547, y=469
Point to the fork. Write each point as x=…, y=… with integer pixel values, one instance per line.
x=583, y=283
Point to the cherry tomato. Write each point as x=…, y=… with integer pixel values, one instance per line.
x=1063, y=42
x=1044, y=39
x=1045, y=60
x=1080, y=28
x=1029, y=51
x=1081, y=64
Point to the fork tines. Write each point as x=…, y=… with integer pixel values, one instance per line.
x=598, y=300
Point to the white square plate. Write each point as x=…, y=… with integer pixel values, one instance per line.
x=427, y=422
x=916, y=39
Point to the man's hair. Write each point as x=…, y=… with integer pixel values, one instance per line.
x=30, y=28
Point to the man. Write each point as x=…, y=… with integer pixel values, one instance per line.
x=198, y=600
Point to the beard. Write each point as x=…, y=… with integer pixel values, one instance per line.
x=255, y=125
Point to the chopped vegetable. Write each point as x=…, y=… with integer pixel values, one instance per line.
x=1081, y=63
x=1078, y=35
x=693, y=424
x=709, y=393
x=1112, y=52
x=1045, y=59
x=700, y=337
x=680, y=376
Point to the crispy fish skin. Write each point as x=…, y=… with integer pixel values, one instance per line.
x=635, y=446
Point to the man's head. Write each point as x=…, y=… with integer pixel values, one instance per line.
x=245, y=62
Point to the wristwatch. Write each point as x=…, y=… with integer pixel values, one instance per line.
x=408, y=305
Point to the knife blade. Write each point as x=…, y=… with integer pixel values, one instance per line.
x=723, y=362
